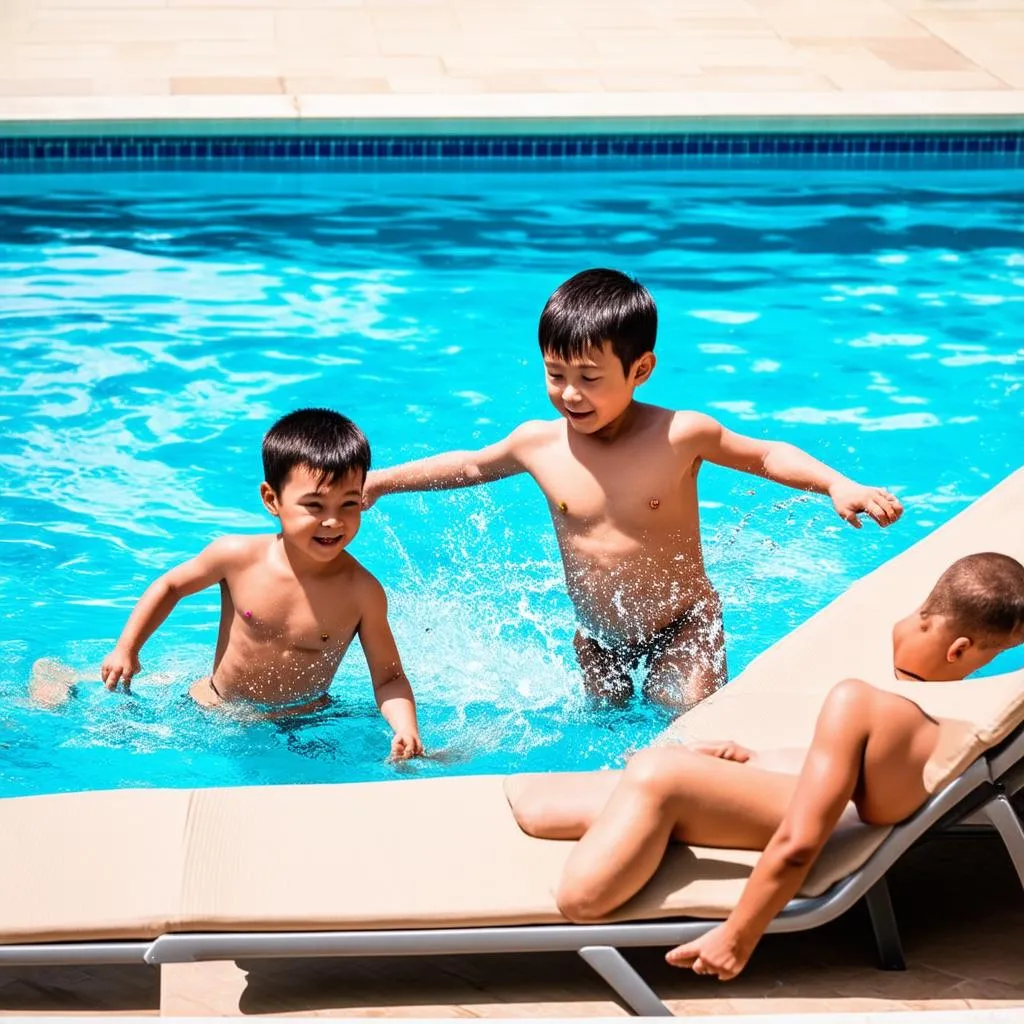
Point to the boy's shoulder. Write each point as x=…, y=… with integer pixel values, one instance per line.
x=239, y=547
x=533, y=432
x=353, y=573
x=362, y=584
x=689, y=425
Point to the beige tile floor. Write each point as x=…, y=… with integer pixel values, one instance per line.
x=960, y=907
x=117, y=58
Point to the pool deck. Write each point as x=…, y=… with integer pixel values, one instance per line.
x=340, y=64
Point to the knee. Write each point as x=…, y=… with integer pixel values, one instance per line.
x=579, y=902
x=653, y=771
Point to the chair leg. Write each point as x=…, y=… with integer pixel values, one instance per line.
x=615, y=969
x=883, y=924
x=1000, y=812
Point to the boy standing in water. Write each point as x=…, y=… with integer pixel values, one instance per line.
x=291, y=602
x=620, y=478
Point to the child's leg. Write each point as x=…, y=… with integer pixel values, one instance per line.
x=687, y=661
x=50, y=683
x=605, y=673
x=866, y=742
x=668, y=793
x=561, y=805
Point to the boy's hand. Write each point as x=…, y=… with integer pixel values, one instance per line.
x=727, y=750
x=119, y=667
x=721, y=953
x=371, y=490
x=850, y=498
x=406, y=745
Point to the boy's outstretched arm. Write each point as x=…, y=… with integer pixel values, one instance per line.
x=827, y=781
x=454, y=469
x=391, y=688
x=786, y=464
x=158, y=601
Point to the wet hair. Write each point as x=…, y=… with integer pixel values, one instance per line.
x=596, y=306
x=321, y=440
x=983, y=594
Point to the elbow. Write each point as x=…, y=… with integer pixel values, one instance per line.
x=798, y=858
x=797, y=852
x=473, y=471
x=396, y=685
x=165, y=588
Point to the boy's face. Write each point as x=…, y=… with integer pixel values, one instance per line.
x=320, y=519
x=933, y=648
x=593, y=391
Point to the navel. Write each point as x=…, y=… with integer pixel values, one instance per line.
x=654, y=503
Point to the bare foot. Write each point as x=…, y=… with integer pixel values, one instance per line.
x=51, y=684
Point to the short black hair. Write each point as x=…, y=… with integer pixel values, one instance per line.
x=595, y=306
x=983, y=594
x=322, y=440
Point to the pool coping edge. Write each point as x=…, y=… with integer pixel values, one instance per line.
x=512, y=114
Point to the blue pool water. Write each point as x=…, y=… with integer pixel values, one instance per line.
x=154, y=326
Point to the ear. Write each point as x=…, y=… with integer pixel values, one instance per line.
x=958, y=648
x=269, y=498
x=643, y=368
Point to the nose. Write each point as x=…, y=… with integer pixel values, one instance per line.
x=570, y=394
x=330, y=521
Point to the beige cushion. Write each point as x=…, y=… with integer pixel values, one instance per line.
x=410, y=854
x=90, y=865
x=447, y=852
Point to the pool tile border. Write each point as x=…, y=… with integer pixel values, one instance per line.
x=860, y=149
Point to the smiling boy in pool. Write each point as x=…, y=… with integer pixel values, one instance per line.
x=620, y=478
x=291, y=602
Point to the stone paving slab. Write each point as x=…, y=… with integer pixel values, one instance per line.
x=294, y=59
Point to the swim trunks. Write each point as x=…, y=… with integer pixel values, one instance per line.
x=687, y=654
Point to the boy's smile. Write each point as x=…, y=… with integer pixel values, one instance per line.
x=593, y=392
x=317, y=517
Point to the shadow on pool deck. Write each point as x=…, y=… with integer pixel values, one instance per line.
x=958, y=901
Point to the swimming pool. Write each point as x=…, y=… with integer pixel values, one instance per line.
x=155, y=325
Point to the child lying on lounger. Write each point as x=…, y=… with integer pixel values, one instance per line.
x=869, y=746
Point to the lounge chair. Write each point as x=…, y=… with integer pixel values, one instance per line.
x=439, y=866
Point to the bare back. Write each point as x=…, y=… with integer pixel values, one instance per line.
x=900, y=740
x=626, y=516
x=282, y=638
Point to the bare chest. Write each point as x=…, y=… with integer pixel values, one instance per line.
x=316, y=616
x=634, y=489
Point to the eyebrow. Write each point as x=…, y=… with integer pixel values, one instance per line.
x=323, y=494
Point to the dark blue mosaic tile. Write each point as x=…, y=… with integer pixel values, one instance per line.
x=677, y=150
